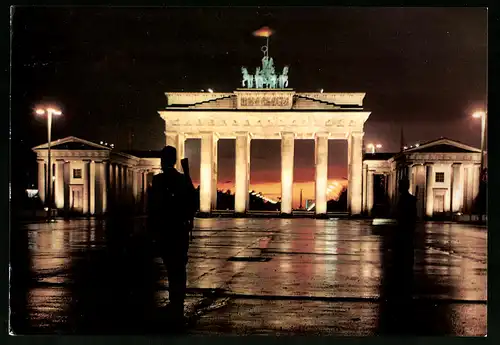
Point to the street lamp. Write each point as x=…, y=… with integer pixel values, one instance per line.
x=49, y=112
x=482, y=115
x=373, y=146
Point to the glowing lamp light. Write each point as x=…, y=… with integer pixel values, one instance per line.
x=102, y=142
x=53, y=111
x=378, y=146
x=417, y=145
x=478, y=114
x=321, y=90
x=210, y=90
x=405, y=147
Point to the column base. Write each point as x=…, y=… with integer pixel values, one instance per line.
x=321, y=216
x=286, y=215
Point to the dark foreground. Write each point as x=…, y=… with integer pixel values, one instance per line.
x=248, y=276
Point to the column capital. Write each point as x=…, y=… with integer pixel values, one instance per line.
x=288, y=134
x=357, y=134
x=167, y=133
x=243, y=134
x=215, y=135
x=456, y=164
x=321, y=135
x=428, y=164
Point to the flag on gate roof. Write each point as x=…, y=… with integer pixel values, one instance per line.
x=264, y=31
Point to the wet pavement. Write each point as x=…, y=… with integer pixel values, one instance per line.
x=249, y=276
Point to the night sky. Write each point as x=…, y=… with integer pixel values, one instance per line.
x=108, y=68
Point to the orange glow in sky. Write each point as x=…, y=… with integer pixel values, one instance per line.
x=272, y=190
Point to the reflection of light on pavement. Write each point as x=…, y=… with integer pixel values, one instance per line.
x=49, y=251
x=284, y=268
x=46, y=303
x=327, y=269
x=92, y=237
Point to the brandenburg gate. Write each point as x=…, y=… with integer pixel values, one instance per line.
x=267, y=109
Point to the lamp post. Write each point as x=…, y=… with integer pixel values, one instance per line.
x=49, y=112
x=372, y=147
x=482, y=115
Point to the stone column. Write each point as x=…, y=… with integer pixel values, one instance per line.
x=365, y=189
x=144, y=175
x=355, y=172
x=287, y=151
x=66, y=190
x=92, y=187
x=41, y=180
x=429, y=199
x=104, y=186
x=117, y=179
x=206, y=171
x=124, y=181
x=86, y=185
x=449, y=193
x=412, y=179
x=419, y=182
x=135, y=186
x=214, y=172
x=321, y=163
x=476, y=169
x=59, y=190
x=457, y=187
x=369, y=194
x=178, y=141
x=349, y=182
x=242, y=177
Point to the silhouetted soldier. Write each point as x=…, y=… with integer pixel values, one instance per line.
x=406, y=214
x=170, y=220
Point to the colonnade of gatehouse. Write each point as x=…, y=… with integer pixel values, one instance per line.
x=209, y=168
